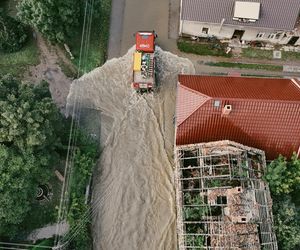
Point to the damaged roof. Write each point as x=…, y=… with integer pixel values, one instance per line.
x=275, y=14
x=264, y=113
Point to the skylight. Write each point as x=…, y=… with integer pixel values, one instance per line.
x=246, y=10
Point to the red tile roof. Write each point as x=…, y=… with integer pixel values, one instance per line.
x=265, y=112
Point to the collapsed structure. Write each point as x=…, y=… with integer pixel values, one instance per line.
x=222, y=201
x=226, y=128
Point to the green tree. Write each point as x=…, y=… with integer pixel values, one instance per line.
x=287, y=225
x=55, y=19
x=30, y=125
x=282, y=175
x=12, y=33
x=84, y=160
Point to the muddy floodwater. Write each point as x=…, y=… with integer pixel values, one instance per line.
x=133, y=198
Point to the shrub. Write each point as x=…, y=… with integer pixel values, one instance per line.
x=12, y=34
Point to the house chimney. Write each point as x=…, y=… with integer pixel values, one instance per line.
x=226, y=110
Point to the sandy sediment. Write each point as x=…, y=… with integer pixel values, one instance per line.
x=133, y=193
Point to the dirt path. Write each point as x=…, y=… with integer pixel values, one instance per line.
x=50, y=71
x=133, y=197
x=48, y=231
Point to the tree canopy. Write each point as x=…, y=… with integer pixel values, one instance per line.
x=30, y=125
x=12, y=33
x=55, y=19
x=287, y=226
x=283, y=177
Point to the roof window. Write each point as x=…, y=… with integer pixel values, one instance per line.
x=246, y=11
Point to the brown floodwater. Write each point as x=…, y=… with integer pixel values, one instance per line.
x=133, y=195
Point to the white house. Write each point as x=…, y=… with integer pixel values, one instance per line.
x=274, y=21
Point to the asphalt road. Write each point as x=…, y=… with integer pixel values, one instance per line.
x=116, y=28
x=130, y=16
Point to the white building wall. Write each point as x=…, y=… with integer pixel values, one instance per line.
x=226, y=32
x=195, y=29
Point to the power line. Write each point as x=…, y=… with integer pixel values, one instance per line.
x=24, y=245
x=76, y=112
x=14, y=248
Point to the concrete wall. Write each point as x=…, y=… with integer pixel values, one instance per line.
x=226, y=32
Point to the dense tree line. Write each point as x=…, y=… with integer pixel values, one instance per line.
x=56, y=19
x=284, y=180
x=33, y=139
x=30, y=132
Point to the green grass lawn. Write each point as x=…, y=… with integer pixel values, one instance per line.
x=45, y=212
x=43, y=243
x=67, y=69
x=288, y=55
x=257, y=53
x=18, y=62
x=246, y=66
x=219, y=50
x=268, y=54
x=202, y=48
x=95, y=55
x=262, y=76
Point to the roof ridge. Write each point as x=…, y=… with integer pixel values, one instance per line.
x=207, y=98
x=258, y=100
x=293, y=80
x=194, y=91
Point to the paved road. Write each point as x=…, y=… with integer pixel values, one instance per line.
x=129, y=16
x=116, y=28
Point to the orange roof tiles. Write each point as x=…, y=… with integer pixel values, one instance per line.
x=265, y=112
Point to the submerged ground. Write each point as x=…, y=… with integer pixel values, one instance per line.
x=133, y=193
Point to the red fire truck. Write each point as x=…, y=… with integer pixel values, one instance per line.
x=144, y=61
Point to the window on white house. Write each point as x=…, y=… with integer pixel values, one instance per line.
x=260, y=35
x=205, y=30
x=272, y=35
x=278, y=35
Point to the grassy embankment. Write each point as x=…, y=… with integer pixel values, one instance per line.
x=268, y=54
x=19, y=62
x=246, y=66
x=85, y=156
x=97, y=51
x=207, y=49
